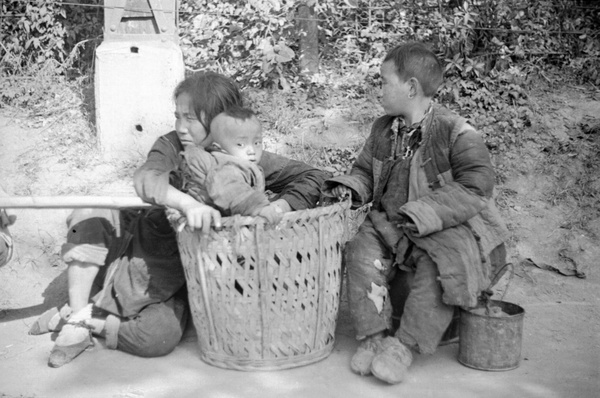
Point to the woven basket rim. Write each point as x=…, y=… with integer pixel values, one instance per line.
x=238, y=220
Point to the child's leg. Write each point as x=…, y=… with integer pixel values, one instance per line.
x=369, y=267
x=425, y=317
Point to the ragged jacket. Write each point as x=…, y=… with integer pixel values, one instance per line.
x=230, y=184
x=450, y=200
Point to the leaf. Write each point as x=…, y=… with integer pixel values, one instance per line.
x=284, y=53
x=284, y=84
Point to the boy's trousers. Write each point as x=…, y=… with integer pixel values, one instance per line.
x=370, y=266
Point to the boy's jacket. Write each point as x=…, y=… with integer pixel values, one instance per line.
x=450, y=201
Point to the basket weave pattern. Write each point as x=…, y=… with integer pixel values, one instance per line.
x=266, y=297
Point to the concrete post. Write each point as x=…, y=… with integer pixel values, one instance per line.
x=138, y=65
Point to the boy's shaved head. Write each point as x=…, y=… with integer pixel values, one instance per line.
x=416, y=60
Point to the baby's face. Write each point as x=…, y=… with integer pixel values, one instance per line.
x=243, y=140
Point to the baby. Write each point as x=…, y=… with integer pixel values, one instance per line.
x=224, y=171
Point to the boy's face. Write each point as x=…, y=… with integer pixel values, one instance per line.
x=240, y=138
x=187, y=125
x=395, y=92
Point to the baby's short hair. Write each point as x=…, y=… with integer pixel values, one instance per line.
x=239, y=112
x=416, y=60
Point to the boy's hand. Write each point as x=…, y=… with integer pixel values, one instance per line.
x=271, y=213
x=341, y=191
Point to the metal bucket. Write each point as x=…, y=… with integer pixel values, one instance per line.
x=491, y=340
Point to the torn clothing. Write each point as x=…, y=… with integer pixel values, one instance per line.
x=230, y=184
x=448, y=210
x=370, y=268
x=433, y=215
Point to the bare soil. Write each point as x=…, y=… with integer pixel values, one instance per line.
x=554, y=239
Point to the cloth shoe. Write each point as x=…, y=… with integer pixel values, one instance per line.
x=366, y=351
x=51, y=321
x=72, y=341
x=392, y=362
x=74, y=338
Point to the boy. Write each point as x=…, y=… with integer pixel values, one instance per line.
x=433, y=220
x=226, y=175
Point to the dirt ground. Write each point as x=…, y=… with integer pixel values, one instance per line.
x=561, y=338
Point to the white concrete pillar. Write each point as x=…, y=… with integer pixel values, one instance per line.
x=134, y=83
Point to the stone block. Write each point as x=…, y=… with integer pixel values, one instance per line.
x=134, y=83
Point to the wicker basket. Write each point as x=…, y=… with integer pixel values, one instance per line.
x=266, y=297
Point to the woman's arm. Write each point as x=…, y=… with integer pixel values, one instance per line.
x=152, y=184
x=151, y=180
x=293, y=181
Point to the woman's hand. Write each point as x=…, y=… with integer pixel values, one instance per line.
x=201, y=216
x=198, y=215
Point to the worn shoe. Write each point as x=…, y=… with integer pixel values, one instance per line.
x=366, y=351
x=51, y=321
x=391, y=364
x=72, y=341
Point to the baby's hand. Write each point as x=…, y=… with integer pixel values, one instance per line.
x=341, y=191
x=271, y=213
x=282, y=205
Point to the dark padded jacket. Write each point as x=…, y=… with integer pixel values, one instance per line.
x=450, y=200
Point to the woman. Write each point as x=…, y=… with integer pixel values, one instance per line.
x=130, y=259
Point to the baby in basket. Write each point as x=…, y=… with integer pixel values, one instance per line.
x=225, y=173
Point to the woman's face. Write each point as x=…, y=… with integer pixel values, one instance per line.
x=189, y=129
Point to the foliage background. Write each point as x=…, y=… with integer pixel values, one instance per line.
x=495, y=52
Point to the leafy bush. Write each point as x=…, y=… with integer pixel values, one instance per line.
x=244, y=39
x=38, y=31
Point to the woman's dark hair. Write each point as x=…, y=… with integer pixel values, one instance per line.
x=416, y=60
x=211, y=93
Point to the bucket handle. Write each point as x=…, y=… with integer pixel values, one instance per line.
x=486, y=295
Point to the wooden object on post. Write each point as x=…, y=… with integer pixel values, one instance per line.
x=140, y=20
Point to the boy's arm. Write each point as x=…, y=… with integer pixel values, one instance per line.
x=360, y=178
x=459, y=200
x=293, y=181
